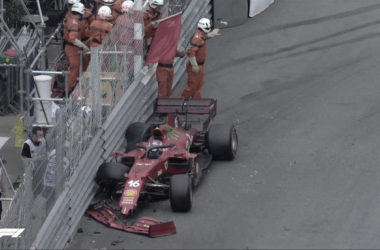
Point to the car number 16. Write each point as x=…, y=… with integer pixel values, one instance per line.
x=134, y=183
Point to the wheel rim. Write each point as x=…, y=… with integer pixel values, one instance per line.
x=234, y=143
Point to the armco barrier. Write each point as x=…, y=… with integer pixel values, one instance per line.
x=135, y=105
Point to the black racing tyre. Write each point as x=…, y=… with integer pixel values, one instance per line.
x=135, y=133
x=222, y=141
x=181, y=193
x=110, y=173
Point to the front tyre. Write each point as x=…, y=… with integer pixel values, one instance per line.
x=110, y=173
x=222, y=141
x=135, y=133
x=181, y=193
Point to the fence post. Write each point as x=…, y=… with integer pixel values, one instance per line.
x=60, y=176
x=29, y=196
x=95, y=82
x=138, y=37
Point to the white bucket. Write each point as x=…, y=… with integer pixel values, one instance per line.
x=42, y=109
x=43, y=83
x=39, y=112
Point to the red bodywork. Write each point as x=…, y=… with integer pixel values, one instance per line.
x=144, y=170
x=176, y=142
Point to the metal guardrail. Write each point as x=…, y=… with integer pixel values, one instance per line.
x=135, y=105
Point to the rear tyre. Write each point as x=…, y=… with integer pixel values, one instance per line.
x=181, y=193
x=222, y=141
x=110, y=173
x=135, y=133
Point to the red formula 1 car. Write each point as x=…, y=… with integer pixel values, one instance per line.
x=163, y=159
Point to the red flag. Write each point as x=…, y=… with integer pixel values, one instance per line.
x=165, y=41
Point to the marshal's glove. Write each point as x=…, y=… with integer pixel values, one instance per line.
x=214, y=33
x=81, y=45
x=88, y=40
x=86, y=49
x=195, y=69
x=155, y=24
x=194, y=65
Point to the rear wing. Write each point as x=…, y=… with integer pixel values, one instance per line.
x=173, y=106
x=191, y=106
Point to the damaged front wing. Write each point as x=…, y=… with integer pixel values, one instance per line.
x=106, y=214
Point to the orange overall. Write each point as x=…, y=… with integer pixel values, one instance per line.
x=72, y=31
x=99, y=29
x=164, y=76
x=116, y=8
x=150, y=16
x=113, y=18
x=195, y=80
x=86, y=20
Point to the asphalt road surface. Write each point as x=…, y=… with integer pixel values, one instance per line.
x=301, y=83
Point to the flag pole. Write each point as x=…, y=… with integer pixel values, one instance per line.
x=166, y=18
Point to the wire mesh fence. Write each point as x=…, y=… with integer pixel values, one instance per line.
x=115, y=65
x=18, y=216
x=112, y=69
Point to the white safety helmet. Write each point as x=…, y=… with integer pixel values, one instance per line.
x=204, y=24
x=156, y=3
x=127, y=6
x=108, y=2
x=73, y=1
x=78, y=8
x=104, y=12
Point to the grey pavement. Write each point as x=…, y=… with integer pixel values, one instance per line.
x=301, y=83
